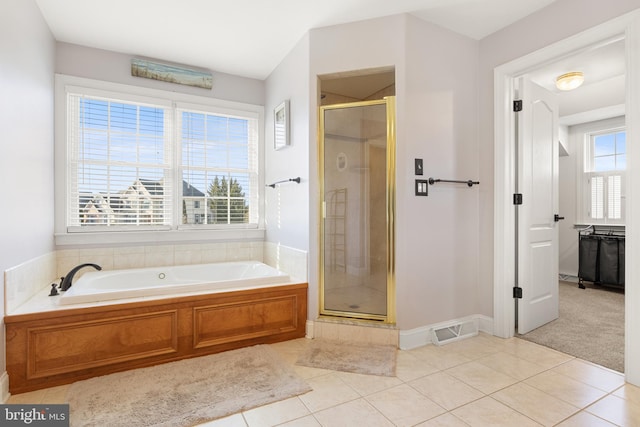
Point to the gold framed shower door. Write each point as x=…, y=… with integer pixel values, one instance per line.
x=357, y=143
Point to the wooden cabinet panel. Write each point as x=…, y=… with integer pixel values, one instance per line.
x=58, y=347
x=215, y=324
x=69, y=347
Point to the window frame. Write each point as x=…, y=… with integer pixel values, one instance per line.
x=176, y=231
x=208, y=110
x=584, y=135
x=591, y=156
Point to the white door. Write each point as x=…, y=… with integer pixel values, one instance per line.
x=537, y=258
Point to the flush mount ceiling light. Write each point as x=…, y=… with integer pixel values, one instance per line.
x=570, y=81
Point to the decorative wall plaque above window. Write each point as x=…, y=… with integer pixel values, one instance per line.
x=171, y=73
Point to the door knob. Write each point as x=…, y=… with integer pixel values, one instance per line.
x=557, y=217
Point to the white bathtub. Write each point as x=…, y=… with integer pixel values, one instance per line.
x=95, y=286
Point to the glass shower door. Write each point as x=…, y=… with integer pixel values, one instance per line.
x=357, y=156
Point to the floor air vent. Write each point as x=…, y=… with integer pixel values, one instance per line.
x=454, y=332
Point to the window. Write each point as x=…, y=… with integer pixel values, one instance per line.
x=120, y=163
x=155, y=163
x=217, y=160
x=605, y=167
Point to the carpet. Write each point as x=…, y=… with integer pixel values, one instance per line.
x=187, y=392
x=590, y=325
x=358, y=358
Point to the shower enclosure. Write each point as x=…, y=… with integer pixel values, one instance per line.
x=357, y=167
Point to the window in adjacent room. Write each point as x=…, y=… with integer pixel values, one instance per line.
x=605, y=166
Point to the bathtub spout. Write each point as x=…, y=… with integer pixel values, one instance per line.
x=66, y=282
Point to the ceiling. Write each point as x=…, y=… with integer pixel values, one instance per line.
x=250, y=37
x=603, y=93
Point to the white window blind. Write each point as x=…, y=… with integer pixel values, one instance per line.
x=614, y=197
x=119, y=163
x=219, y=167
x=597, y=197
x=138, y=162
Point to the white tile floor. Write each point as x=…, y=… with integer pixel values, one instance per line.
x=480, y=381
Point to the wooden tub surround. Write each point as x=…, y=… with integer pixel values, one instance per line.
x=58, y=347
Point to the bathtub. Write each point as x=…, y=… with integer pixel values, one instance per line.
x=97, y=286
x=113, y=321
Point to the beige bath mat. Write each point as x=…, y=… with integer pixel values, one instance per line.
x=187, y=392
x=358, y=358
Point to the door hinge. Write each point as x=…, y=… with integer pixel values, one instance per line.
x=517, y=105
x=517, y=292
x=517, y=199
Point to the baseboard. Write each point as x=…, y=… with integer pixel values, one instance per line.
x=309, y=329
x=414, y=338
x=421, y=336
x=485, y=324
x=4, y=387
x=569, y=277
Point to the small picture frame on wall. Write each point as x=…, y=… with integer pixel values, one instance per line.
x=281, y=125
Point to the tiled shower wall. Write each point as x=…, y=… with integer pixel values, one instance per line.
x=118, y=258
x=284, y=258
x=25, y=280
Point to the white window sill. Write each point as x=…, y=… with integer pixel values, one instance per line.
x=172, y=236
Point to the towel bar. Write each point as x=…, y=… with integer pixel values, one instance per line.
x=470, y=183
x=284, y=180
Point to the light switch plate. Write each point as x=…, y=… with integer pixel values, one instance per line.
x=422, y=187
x=418, y=167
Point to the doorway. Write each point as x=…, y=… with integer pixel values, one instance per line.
x=536, y=207
x=357, y=146
x=596, y=106
x=504, y=220
x=592, y=105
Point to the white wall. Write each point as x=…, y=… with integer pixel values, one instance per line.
x=287, y=205
x=115, y=67
x=27, y=55
x=436, y=236
x=568, y=236
x=556, y=22
x=342, y=48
